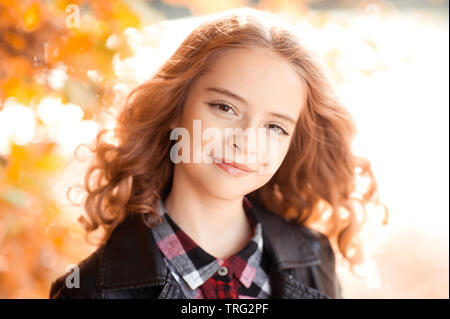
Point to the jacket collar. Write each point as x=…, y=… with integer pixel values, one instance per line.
x=280, y=235
x=131, y=257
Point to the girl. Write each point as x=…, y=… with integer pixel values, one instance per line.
x=187, y=210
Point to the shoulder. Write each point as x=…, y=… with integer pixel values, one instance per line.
x=319, y=242
x=81, y=281
x=296, y=246
x=87, y=278
x=325, y=272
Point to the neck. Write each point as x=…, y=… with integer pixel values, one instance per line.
x=218, y=225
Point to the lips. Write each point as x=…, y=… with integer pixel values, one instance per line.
x=233, y=168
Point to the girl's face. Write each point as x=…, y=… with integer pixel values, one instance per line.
x=246, y=107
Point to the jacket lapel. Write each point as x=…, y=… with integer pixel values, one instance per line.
x=279, y=237
x=131, y=258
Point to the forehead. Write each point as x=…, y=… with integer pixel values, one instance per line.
x=263, y=78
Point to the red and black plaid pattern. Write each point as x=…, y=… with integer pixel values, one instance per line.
x=202, y=276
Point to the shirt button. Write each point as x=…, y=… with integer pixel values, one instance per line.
x=223, y=271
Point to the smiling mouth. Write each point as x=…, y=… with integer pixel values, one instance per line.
x=232, y=168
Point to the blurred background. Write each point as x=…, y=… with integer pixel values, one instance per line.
x=66, y=66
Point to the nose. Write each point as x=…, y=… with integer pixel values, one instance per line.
x=243, y=145
x=258, y=149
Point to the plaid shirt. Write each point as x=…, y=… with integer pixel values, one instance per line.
x=202, y=276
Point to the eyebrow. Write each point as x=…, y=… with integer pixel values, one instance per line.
x=241, y=99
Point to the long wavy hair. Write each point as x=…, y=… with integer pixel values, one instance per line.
x=316, y=182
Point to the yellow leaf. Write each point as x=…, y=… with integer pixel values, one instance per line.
x=31, y=17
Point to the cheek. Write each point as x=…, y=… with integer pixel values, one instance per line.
x=210, y=141
x=202, y=126
x=273, y=157
x=282, y=152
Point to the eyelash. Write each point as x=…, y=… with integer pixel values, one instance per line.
x=280, y=128
x=218, y=104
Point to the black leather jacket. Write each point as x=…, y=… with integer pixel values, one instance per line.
x=130, y=265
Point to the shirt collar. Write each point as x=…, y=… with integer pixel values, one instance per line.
x=195, y=265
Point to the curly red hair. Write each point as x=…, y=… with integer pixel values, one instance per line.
x=317, y=176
